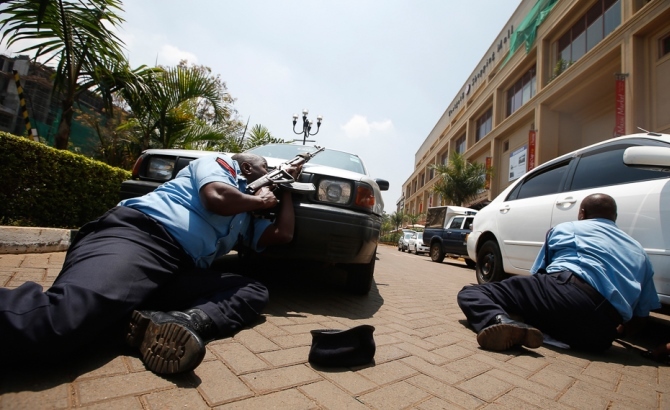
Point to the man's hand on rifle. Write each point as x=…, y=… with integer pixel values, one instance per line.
x=268, y=197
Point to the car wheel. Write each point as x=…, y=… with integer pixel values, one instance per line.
x=489, y=263
x=470, y=263
x=436, y=254
x=416, y=251
x=360, y=277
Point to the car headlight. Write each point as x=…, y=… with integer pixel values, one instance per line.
x=160, y=168
x=336, y=192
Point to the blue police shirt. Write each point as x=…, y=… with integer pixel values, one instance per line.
x=204, y=235
x=607, y=258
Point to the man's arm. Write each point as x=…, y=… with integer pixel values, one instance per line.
x=281, y=231
x=226, y=200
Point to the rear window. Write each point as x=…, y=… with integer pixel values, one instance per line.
x=435, y=217
x=606, y=167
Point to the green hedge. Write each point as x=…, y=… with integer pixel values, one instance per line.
x=50, y=188
x=391, y=238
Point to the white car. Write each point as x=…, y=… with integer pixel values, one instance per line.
x=508, y=233
x=403, y=242
x=416, y=244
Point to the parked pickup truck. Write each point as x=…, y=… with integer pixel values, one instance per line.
x=446, y=232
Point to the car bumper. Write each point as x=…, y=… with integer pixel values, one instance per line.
x=422, y=248
x=330, y=234
x=472, y=239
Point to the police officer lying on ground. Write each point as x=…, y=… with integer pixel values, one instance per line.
x=147, y=259
x=589, y=278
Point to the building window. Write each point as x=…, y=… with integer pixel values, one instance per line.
x=460, y=145
x=484, y=124
x=444, y=159
x=522, y=91
x=589, y=30
x=431, y=173
x=421, y=180
x=506, y=146
x=665, y=46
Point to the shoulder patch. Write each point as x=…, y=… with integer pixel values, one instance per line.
x=226, y=166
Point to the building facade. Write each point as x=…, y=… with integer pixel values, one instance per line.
x=43, y=110
x=561, y=75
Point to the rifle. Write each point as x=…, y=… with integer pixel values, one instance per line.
x=283, y=179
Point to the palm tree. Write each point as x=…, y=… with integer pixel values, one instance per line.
x=75, y=35
x=260, y=135
x=183, y=106
x=397, y=218
x=413, y=219
x=460, y=180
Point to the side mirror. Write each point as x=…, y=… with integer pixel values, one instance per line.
x=649, y=158
x=383, y=184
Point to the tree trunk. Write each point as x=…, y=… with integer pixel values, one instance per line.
x=63, y=134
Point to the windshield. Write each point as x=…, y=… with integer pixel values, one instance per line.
x=329, y=158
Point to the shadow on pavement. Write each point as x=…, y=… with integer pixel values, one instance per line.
x=307, y=287
x=625, y=351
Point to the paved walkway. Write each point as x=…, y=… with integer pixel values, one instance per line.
x=426, y=357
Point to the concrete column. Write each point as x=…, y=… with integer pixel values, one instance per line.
x=548, y=134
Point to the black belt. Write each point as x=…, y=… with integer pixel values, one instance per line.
x=600, y=301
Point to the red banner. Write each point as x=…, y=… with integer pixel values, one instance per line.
x=620, y=127
x=488, y=174
x=530, y=164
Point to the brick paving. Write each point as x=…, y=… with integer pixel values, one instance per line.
x=427, y=358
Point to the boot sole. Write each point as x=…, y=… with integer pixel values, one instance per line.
x=166, y=348
x=504, y=336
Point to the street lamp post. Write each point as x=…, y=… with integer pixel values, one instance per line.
x=306, y=125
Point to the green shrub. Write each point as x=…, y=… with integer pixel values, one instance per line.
x=46, y=187
x=391, y=238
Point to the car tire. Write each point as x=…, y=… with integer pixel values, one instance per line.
x=436, y=254
x=416, y=251
x=360, y=277
x=470, y=263
x=489, y=263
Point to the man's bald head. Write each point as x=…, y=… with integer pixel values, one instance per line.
x=598, y=206
x=253, y=166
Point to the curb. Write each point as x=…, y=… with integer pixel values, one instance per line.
x=17, y=240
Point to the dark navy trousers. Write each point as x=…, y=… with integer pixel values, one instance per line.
x=553, y=303
x=118, y=263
